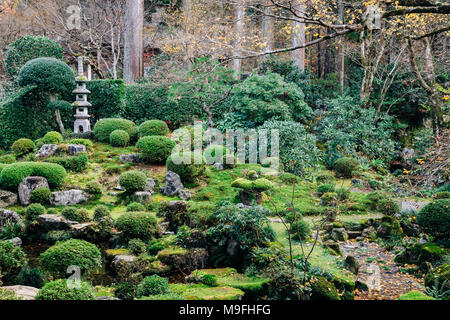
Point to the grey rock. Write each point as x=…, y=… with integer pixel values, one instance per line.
x=7, y=199
x=351, y=264
x=28, y=185
x=143, y=197
x=333, y=247
x=369, y=233
x=243, y=206
x=47, y=150
x=74, y=149
x=150, y=186
x=49, y=222
x=122, y=261
x=133, y=158
x=26, y=293
x=339, y=234
x=107, y=298
x=184, y=194
x=412, y=206
x=67, y=198
x=17, y=242
x=354, y=234
x=218, y=166
x=173, y=184
x=8, y=216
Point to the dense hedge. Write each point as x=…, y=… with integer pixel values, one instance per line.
x=434, y=218
x=119, y=138
x=22, y=146
x=105, y=127
x=153, y=128
x=59, y=257
x=133, y=181
x=107, y=98
x=59, y=290
x=137, y=225
x=12, y=260
x=155, y=149
x=52, y=137
x=75, y=164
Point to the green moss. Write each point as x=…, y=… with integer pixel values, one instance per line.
x=415, y=295
x=321, y=289
x=117, y=252
x=202, y=292
x=171, y=251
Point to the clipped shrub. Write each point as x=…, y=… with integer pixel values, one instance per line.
x=74, y=214
x=41, y=195
x=325, y=178
x=73, y=252
x=12, y=260
x=119, y=138
x=94, y=189
x=52, y=137
x=60, y=290
x=125, y=291
x=107, y=98
x=152, y=285
x=388, y=207
x=100, y=212
x=137, y=247
x=133, y=181
x=155, y=149
x=325, y=188
x=31, y=277
x=77, y=163
x=135, y=207
x=27, y=48
x=33, y=211
x=189, y=172
x=137, y=225
x=259, y=185
x=300, y=229
x=13, y=174
x=104, y=128
x=345, y=167
x=434, y=218
x=22, y=147
x=85, y=142
x=153, y=128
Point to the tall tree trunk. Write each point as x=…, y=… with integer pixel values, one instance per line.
x=298, y=36
x=58, y=116
x=341, y=52
x=187, y=12
x=134, y=45
x=267, y=26
x=238, y=31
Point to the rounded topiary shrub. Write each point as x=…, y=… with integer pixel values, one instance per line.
x=94, y=189
x=300, y=229
x=33, y=211
x=137, y=247
x=153, y=285
x=62, y=290
x=125, y=291
x=12, y=175
x=100, y=212
x=12, y=260
x=133, y=181
x=73, y=252
x=137, y=225
x=22, y=147
x=325, y=178
x=345, y=167
x=104, y=128
x=119, y=138
x=52, y=137
x=155, y=149
x=388, y=206
x=188, y=170
x=135, y=207
x=48, y=74
x=74, y=214
x=153, y=128
x=41, y=195
x=434, y=218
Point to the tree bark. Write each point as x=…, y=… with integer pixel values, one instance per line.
x=298, y=36
x=134, y=44
x=238, y=29
x=341, y=52
x=267, y=27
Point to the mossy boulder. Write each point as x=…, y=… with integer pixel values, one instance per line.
x=415, y=295
x=203, y=292
x=389, y=227
x=180, y=259
x=258, y=185
x=321, y=289
x=421, y=253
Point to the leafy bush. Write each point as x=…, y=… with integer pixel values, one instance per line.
x=52, y=137
x=434, y=218
x=155, y=149
x=133, y=181
x=27, y=48
x=135, y=207
x=375, y=197
x=50, y=75
x=80, y=253
x=153, y=128
x=261, y=98
x=85, y=142
x=300, y=229
x=329, y=199
x=59, y=290
x=442, y=195
x=101, y=211
x=33, y=211
x=125, y=291
x=345, y=167
x=31, y=277
x=12, y=260
x=298, y=149
x=137, y=225
x=388, y=207
x=325, y=178
x=94, y=189
x=107, y=98
x=152, y=285
x=346, y=129
x=74, y=214
x=137, y=247
x=104, y=128
x=22, y=147
x=77, y=163
x=187, y=172
x=41, y=195
x=119, y=138
x=324, y=188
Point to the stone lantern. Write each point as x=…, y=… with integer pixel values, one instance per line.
x=82, y=123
